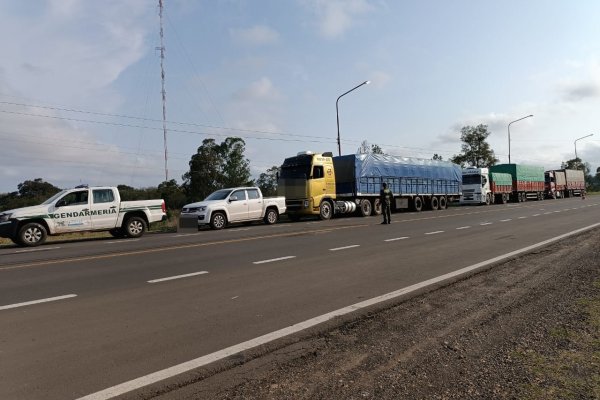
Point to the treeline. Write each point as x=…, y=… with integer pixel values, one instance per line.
x=214, y=166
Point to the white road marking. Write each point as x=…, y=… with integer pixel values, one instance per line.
x=522, y=217
x=238, y=229
x=549, y=212
x=121, y=241
x=234, y=297
x=536, y=215
x=170, y=372
x=170, y=278
x=394, y=239
x=463, y=227
x=557, y=211
x=434, y=233
x=273, y=260
x=485, y=223
x=28, y=303
x=345, y=247
x=38, y=249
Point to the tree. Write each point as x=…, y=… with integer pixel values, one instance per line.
x=366, y=148
x=37, y=189
x=267, y=181
x=475, y=150
x=437, y=157
x=215, y=166
x=173, y=194
x=236, y=168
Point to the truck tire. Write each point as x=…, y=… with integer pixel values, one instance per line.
x=365, y=208
x=325, y=210
x=417, y=204
x=218, y=220
x=434, y=203
x=134, y=227
x=271, y=216
x=377, y=209
x=32, y=234
x=443, y=203
x=488, y=199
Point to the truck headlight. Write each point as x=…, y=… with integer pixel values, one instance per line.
x=305, y=203
x=4, y=217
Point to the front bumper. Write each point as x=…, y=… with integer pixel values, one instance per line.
x=192, y=220
x=8, y=229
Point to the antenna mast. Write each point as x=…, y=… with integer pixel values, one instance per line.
x=164, y=94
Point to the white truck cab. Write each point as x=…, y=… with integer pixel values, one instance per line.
x=476, y=186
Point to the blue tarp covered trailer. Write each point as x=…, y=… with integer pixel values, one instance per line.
x=363, y=174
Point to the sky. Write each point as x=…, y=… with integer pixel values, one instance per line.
x=80, y=82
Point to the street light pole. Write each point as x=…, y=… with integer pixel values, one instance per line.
x=516, y=120
x=575, y=142
x=337, y=114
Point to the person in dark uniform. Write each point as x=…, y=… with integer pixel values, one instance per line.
x=385, y=196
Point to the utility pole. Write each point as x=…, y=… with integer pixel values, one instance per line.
x=164, y=93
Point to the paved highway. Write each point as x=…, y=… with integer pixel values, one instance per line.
x=79, y=318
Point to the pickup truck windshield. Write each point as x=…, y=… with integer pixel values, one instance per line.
x=53, y=198
x=218, y=195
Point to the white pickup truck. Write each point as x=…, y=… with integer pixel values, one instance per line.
x=241, y=204
x=78, y=210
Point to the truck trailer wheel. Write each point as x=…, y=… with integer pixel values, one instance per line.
x=271, y=216
x=417, y=204
x=325, y=210
x=365, y=208
x=443, y=203
x=434, y=203
x=135, y=227
x=32, y=234
x=218, y=220
x=377, y=209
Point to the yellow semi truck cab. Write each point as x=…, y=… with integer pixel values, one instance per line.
x=308, y=183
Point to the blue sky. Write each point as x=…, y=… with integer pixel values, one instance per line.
x=80, y=82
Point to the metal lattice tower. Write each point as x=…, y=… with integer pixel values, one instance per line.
x=164, y=93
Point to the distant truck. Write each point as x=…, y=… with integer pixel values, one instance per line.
x=323, y=185
x=527, y=181
x=480, y=186
x=564, y=183
x=240, y=204
x=78, y=210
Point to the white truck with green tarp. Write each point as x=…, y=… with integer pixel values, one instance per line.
x=79, y=210
x=480, y=186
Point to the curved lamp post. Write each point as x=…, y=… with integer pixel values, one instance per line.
x=338, y=115
x=583, y=137
x=516, y=120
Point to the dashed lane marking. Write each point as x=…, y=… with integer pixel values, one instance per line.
x=462, y=227
x=29, y=303
x=434, y=233
x=506, y=220
x=345, y=247
x=522, y=218
x=485, y=223
x=394, y=239
x=273, y=260
x=170, y=278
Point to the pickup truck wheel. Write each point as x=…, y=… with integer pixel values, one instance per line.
x=32, y=234
x=271, y=216
x=325, y=210
x=135, y=227
x=218, y=220
x=117, y=232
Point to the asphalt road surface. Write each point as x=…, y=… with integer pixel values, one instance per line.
x=100, y=318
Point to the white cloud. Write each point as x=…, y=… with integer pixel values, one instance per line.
x=335, y=17
x=258, y=35
x=258, y=106
x=380, y=79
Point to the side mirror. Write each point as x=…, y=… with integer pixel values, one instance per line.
x=61, y=203
x=233, y=198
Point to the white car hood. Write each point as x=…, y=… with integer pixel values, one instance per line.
x=27, y=211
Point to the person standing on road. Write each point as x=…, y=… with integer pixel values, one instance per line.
x=385, y=196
